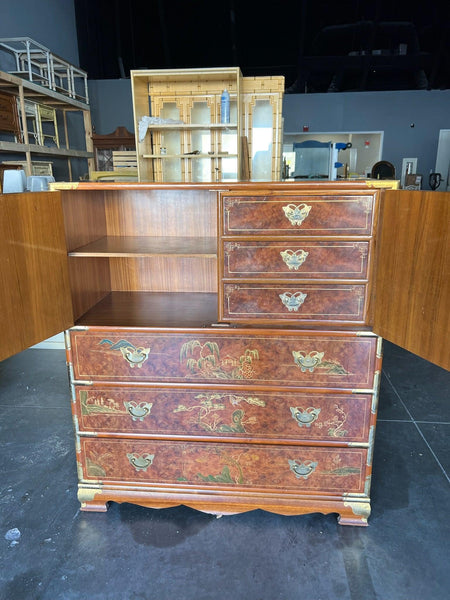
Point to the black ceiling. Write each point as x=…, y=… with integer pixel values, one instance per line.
x=318, y=46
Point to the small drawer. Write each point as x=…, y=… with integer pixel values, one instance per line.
x=218, y=413
x=297, y=215
x=220, y=356
x=311, y=260
x=226, y=466
x=294, y=302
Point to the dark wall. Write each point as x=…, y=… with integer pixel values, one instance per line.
x=49, y=22
x=52, y=24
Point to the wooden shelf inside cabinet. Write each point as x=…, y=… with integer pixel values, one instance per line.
x=140, y=246
x=153, y=309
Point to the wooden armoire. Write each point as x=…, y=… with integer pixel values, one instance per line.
x=224, y=341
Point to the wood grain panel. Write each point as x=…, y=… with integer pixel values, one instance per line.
x=411, y=304
x=269, y=215
x=221, y=466
x=13, y=328
x=90, y=281
x=160, y=309
x=217, y=356
x=84, y=217
x=161, y=213
x=215, y=413
x=312, y=260
x=35, y=295
x=164, y=274
x=282, y=302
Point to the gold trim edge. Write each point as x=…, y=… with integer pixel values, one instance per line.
x=88, y=494
x=359, y=509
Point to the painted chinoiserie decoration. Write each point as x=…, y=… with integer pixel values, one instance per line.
x=223, y=339
x=233, y=367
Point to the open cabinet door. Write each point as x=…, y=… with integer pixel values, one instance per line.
x=411, y=303
x=35, y=301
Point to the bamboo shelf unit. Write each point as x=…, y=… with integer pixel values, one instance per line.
x=179, y=133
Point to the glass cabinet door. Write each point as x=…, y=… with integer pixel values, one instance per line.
x=170, y=146
x=260, y=119
x=200, y=142
x=228, y=145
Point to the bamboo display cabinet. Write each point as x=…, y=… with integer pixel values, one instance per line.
x=191, y=143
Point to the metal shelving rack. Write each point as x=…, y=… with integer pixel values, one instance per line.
x=38, y=64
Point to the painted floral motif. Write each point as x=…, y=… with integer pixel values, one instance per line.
x=95, y=462
x=204, y=360
x=336, y=423
x=341, y=470
x=209, y=406
x=231, y=473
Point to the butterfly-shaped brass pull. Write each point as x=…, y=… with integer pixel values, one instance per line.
x=294, y=258
x=292, y=301
x=296, y=214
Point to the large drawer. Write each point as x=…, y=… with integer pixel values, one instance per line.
x=294, y=302
x=291, y=260
x=298, y=215
x=236, y=466
x=310, y=359
x=235, y=414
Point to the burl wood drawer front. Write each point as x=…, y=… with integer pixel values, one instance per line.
x=240, y=466
x=221, y=413
x=294, y=215
x=316, y=302
x=223, y=356
x=311, y=260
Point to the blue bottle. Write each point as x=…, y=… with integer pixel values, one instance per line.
x=225, y=107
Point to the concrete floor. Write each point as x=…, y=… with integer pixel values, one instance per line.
x=132, y=553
